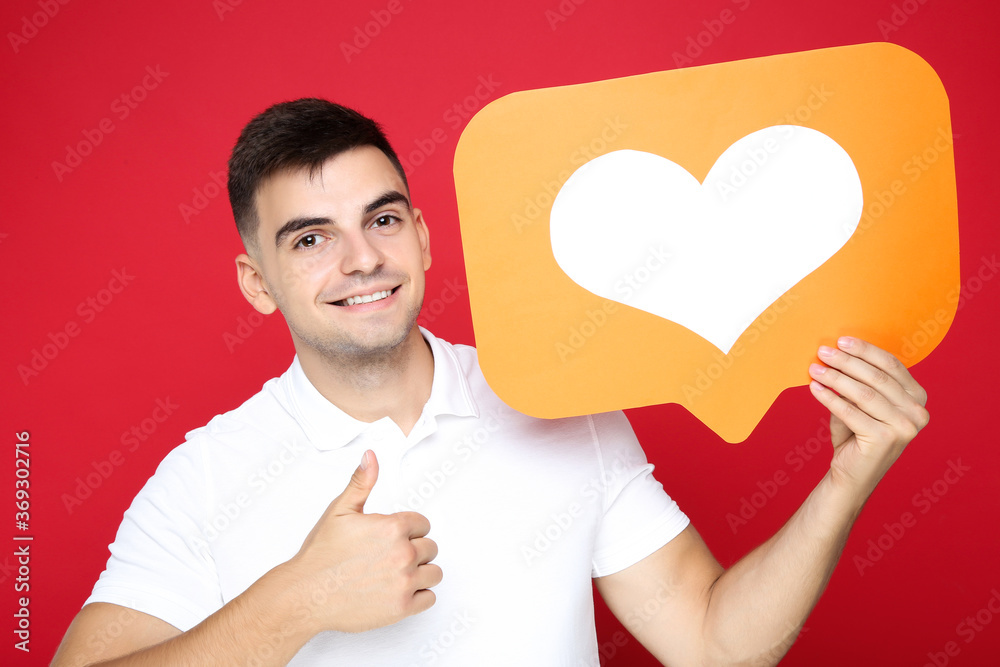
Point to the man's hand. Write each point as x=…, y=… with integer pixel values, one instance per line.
x=876, y=408
x=362, y=571
x=751, y=613
x=354, y=572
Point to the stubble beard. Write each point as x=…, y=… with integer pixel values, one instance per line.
x=363, y=358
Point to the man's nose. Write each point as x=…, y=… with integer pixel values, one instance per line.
x=360, y=255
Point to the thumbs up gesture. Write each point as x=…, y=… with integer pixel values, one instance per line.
x=362, y=571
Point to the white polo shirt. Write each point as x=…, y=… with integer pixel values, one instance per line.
x=524, y=511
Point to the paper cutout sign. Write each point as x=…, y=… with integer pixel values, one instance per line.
x=692, y=236
x=724, y=254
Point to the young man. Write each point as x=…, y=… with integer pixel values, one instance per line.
x=468, y=534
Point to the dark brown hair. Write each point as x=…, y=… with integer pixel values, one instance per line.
x=301, y=134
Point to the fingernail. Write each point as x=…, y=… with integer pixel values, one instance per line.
x=816, y=369
x=825, y=351
x=364, y=460
x=816, y=386
x=845, y=343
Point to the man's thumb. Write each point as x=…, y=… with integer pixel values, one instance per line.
x=362, y=481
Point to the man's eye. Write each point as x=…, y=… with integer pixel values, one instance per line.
x=307, y=241
x=384, y=220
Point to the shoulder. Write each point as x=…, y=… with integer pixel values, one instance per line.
x=237, y=435
x=264, y=416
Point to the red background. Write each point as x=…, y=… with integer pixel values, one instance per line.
x=169, y=333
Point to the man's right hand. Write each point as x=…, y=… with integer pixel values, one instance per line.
x=363, y=571
x=354, y=572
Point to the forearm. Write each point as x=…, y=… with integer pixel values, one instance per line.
x=757, y=607
x=266, y=625
x=355, y=572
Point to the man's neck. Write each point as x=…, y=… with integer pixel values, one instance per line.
x=396, y=384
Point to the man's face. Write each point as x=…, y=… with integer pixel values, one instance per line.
x=341, y=254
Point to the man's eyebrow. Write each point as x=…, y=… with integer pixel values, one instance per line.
x=295, y=224
x=389, y=197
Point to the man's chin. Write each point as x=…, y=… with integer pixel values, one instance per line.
x=363, y=347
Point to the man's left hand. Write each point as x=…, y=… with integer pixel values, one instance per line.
x=876, y=408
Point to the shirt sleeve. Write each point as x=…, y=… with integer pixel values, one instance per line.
x=161, y=560
x=639, y=516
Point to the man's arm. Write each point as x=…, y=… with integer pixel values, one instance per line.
x=751, y=613
x=269, y=622
x=354, y=572
x=98, y=633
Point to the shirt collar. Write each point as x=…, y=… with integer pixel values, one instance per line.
x=328, y=427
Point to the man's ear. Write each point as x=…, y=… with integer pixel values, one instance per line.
x=424, y=235
x=252, y=284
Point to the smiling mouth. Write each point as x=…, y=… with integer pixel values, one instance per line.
x=365, y=298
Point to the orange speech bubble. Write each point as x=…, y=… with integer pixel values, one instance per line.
x=664, y=272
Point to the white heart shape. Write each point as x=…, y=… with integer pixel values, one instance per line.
x=639, y=229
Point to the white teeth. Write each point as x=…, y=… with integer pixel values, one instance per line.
x=367, y=298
